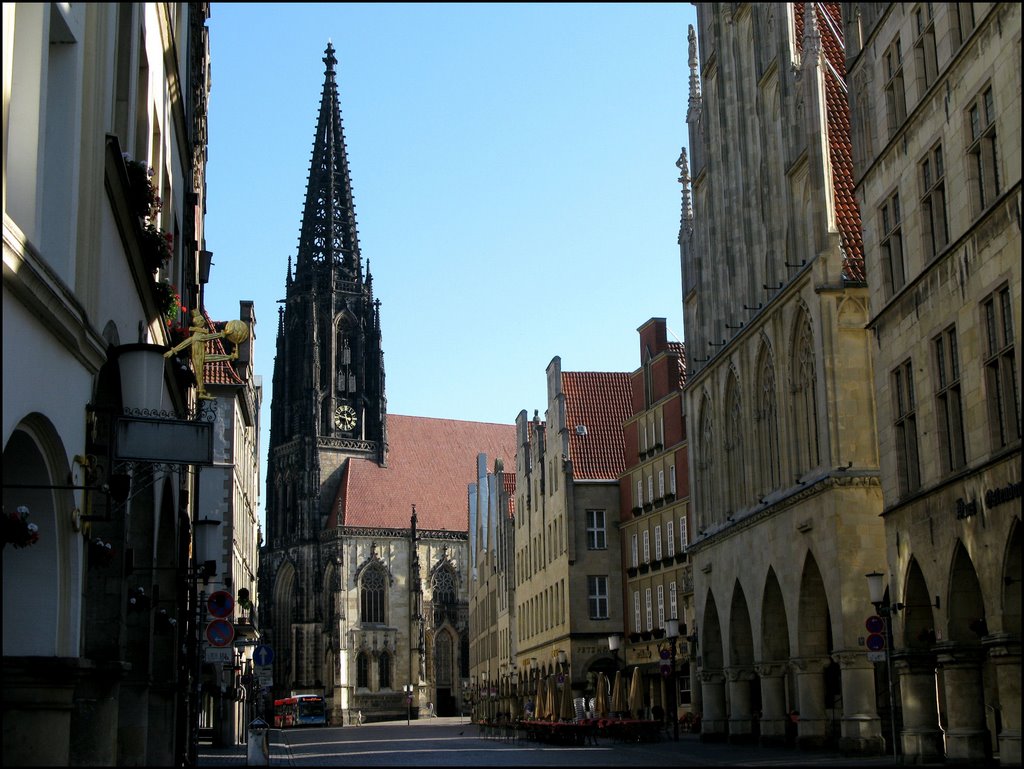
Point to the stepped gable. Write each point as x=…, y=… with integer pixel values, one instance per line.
x=429, y=464
x=600, y=402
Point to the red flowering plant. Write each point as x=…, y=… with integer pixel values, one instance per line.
x=169, y=301
x=16, y=530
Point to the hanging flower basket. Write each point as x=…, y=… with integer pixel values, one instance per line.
x=157, y=247
x=16, y=530
x=169, y=301
x=143, y=199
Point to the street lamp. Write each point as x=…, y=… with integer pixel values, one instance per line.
x=672, y=632
x=408, y=704
x=876, y=593
x=614, y=642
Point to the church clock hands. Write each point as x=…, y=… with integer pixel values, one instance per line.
x=344, y=417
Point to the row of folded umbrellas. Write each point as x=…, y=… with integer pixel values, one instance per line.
x=554, y=702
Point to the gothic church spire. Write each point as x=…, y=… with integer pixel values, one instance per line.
x=328, y=236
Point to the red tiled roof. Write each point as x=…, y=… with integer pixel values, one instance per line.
x=219, y=372
x=508, y=482
x=600, y=402
x=679, y=349
x=430, y=463
x=830, y=28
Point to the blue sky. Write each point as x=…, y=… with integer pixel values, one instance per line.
x=514, y=175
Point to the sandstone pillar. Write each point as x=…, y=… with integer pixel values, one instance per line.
x=966, y=735
x=740, y=712
x=1004, y=651
x=921, y=736
x=714, y=726
x=810, y=682
x=773, y=702
x=861, y=725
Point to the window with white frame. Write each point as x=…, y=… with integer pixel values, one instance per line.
x=949, y=406
x=649, y=608
x=636, y=553
x=983, y=168
x=636, y=611
x=597, y=596
x=905, y=426
x=597, y=538
x=670, y=538
x=673, y=605
x=892, y=245
x=661, y=606
x=647, y=546
x=639, y=493
x=895, y=93
x=683, y=535
x=661, y=484
x=1001, y=391
x=933, y=202
x=657, y=542
x=964, y=21
x=672, y=479
x=925, y=56
x=650, y=488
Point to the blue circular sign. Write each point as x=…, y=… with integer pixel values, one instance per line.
x=875, y=642
x=874, y=624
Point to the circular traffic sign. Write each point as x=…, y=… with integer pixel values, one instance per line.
x=220, y=603
x=220, y=632
x=874, y=624
x=875, y=642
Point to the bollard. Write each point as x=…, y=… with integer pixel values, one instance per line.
x=258, y=748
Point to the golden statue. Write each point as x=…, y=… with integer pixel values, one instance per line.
x=234, y=331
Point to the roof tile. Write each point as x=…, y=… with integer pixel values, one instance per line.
x=430, y=463
x=600, y=402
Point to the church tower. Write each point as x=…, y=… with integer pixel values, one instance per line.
x=328, y=400
x=328, y=389
x=359, y=598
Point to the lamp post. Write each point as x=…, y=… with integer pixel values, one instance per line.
x=876, y=593
x=614, y=642
x=672, y=632
x=408, y=704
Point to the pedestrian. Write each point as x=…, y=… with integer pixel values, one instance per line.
x=359, y=718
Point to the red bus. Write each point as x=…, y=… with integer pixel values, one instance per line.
x=300, y=710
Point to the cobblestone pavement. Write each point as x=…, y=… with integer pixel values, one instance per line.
x=455, y=742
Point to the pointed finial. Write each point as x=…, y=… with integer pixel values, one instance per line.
x=329, y=59
x=288, y=276
x=812, y=38
x=684, y=178
x=694, y=76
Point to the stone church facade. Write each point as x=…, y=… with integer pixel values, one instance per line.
x=364, y=575
x=784, y=458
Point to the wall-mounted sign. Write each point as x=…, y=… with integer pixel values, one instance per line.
x=175, y=441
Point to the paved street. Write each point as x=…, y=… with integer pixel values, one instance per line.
x=449, y=742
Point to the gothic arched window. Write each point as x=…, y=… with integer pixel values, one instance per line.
x=372, y=594
x=734, y=443
x=442, y=660
x=384, y=671
x=767, y=424
x=705, y=463
x=805, y=401
x=363, y=670
x=444, y=586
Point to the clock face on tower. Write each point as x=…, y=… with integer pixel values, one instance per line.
x=344, y=417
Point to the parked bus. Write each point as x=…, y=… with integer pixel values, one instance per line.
x=300, y=710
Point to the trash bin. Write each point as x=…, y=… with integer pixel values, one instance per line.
x=258, y=748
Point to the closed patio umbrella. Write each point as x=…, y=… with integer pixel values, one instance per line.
x=541, y=701
x=636, y=695
x=601, y=700
x=618, y=694
x=551, y=709
x=566, y=711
